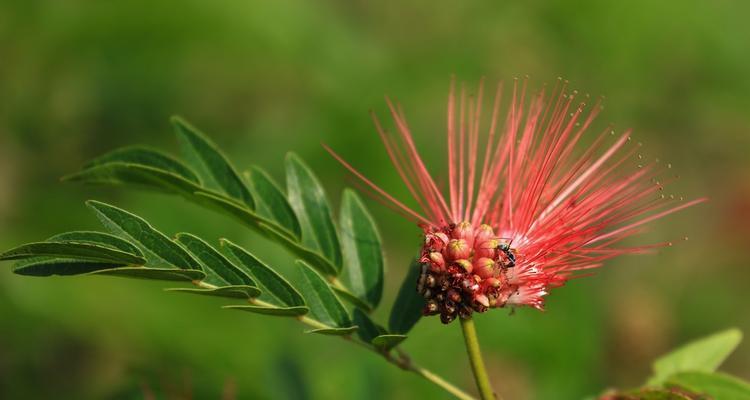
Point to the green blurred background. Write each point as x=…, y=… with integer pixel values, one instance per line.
x=78, y=78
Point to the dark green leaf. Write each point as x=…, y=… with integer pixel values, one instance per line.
x=368, y=329
x=98, y=238
x=236, y=291
x=361, y=248
x=212, y=166
x=324, y=306
x=281, y=311
x=407, y=309
x=159, y=250
x=45, y=266
x=388, y=341
x=271, y=203
x=146, y=157
x=219, y=270
x=717, y=385
x=703, y=355
x=87, y=251
x=275, y=290
x=308, y=200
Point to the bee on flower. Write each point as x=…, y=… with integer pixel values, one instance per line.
x=527, y=207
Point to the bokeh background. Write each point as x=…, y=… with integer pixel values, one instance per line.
x=78, y=78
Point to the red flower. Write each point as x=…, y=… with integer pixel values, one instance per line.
x=526, y=209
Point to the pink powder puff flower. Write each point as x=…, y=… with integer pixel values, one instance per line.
x=526, y=210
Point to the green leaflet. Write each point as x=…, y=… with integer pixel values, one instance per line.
x=267, y=229
x=219, y=270
x=717, y=385
x=86, y=251
x=144, y=156
x=118, y=173
x=271, y=202
x=98, y=238
x=308, y=200
x=703, y=355
x=45, y=266
x=159, y=250
x=350, y=298
x=368, y=329
x=279, y=311
x=212, y=166
x=324, y=306
x=234, y=291
x=239, y=211
x=275, y=290
x=388, y=341
x=370, y=332
x=407, y=309
x=361, y=248
x=334, y=331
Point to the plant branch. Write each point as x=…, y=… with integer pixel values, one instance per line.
x=403, y=361
x=475, y=358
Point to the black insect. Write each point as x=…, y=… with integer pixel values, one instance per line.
x=509, y=253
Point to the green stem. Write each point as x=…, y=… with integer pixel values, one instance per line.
x=403, y=361
x=475, y=358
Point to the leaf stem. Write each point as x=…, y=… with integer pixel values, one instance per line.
x=475, y=358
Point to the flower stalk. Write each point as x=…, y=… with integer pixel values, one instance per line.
x=475, y=359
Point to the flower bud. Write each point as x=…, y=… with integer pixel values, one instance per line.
x=464, y=231
x=482, y=299
x=465, y=264
x=458, y=249
x=494, y=282
x=430, y=308
x=436, y=241
x=485, y=268
x=487, y=249
x=437, y=261
x=484, y=233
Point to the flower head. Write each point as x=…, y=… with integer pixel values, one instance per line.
x=527, y=206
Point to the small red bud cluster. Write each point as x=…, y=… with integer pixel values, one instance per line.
x=464, y=269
